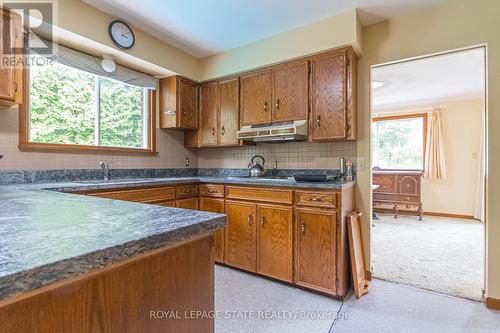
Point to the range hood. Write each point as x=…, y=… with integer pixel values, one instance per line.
x=275, y=132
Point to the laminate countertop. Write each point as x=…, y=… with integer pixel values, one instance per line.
x=48, y=234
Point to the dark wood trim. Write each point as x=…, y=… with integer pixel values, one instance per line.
x=368, y=275
x=414, y=213
x=26, y=144
x=493, y=303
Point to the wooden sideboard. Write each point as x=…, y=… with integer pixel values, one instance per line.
x=398, y=189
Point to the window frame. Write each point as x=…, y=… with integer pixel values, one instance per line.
x=26, y=144
x=424, y=136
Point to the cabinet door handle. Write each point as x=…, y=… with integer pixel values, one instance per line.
x=213, y=131
x=318, y=120
x=278, y=104
x=222, y=130
x=15, y=86
x=303, y=227
x=265, y=106
x=212, y=191
x=250, y=219
x=314, y=199
x=262, y=221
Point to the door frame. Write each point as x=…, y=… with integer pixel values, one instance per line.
x=485, y=148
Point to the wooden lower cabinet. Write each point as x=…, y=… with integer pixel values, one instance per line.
x=275, y=241
x=215, y=206
x=240, y=246
x=315, y=262
x=190, y=203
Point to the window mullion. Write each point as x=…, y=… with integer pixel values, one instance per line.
x=97, y=126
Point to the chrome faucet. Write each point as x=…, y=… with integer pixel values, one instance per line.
x=105, y=170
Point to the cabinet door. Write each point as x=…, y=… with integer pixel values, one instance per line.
x=10, y=76
x=274, y=241
x=188, y=104
x=290, y=85
x=209, y=108
x=215, y=206
x=315, y=249
x=256, y=95
x=191, y=203
x=229, y=112
x=328, y=96
x=240, y=235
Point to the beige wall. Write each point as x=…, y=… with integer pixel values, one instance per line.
x=301, y=155
x=450, y=26
x=462, y=133
x=170, y=145
x=333, y=32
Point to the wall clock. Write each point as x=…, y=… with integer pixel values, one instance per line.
x=121, y=34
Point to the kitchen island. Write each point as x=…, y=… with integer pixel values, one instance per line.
x=71, y=263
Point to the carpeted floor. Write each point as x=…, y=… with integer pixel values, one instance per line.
x=439, y=254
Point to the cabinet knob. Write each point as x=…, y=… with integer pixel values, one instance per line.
x=265, y=106
x=213, y=131
x=211, y=191
x=15, y=86
x=318, y=120
x=278, y=104
x=223, y=130
x=314, y=199
x=250, y=219
x=303, y=227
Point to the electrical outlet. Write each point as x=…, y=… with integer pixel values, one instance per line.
x=275, y=165
x=186, y=162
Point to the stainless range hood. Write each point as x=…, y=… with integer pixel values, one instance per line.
x=276, y=132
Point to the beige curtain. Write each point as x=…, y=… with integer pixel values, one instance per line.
x=435, y=161
x=479, y=200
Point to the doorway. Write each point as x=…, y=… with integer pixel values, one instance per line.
x=428, y=153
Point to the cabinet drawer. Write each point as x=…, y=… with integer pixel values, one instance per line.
x=151, y=195
x=209, y=190
x=186, y=191
x=387, y=197
x=260, y=194
x=318, y=199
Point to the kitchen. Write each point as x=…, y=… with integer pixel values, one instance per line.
x=249, y=160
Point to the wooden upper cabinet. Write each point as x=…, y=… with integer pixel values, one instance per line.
x=333, y=96
x=229, y=108
x=275, y=241
x=215, y=206
x=241, y=238
x=209, y=110
x=315, y=249
x=178, y=103
x=256, y=98
x=329, y=96
x=290, y=91
x=11, y=77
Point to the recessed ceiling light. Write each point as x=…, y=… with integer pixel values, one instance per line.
x=377, y=84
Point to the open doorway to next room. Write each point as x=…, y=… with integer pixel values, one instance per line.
x=428, y=167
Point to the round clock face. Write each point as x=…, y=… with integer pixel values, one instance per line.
x=121, y=34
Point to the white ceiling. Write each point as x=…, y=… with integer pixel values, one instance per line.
x=206, y=27
x=427, y=81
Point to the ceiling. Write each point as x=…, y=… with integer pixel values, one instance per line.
x=205, y=27
x=428, y=81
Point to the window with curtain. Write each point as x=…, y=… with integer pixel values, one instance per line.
x=399, y=142
x=73, y=102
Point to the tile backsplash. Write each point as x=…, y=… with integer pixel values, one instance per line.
x=292, y=155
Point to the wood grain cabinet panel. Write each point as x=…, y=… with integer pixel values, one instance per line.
x=146, y=195
x=315, y=249
x=178, y=103
x=212, y=190
x=328, y=96
x=190, y=203
x=229, y=108
x=275, y=241
x=273, y=195
x=209, y=109
x=256, y=97
x=241, y=239
x=319, y=199
x=290, y=84
x=186, y=191
x=215, y=206
x=11, y=77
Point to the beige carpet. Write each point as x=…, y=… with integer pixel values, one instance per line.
x=438, y=254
